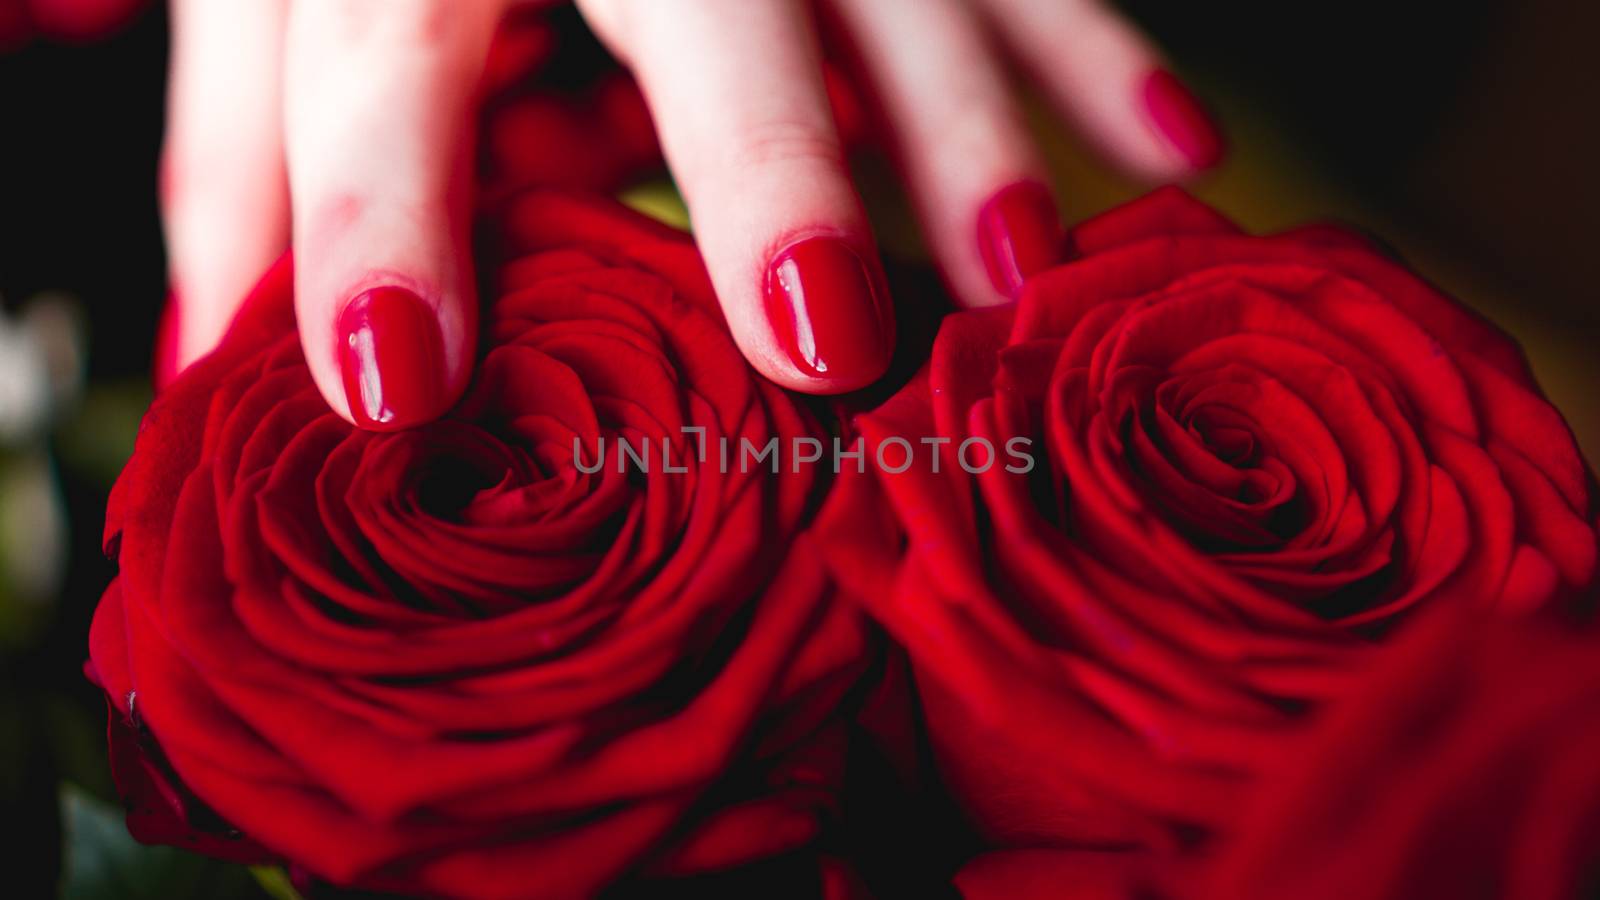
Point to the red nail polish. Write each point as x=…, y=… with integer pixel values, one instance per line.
x=1180, y=118
x=827, y=311
x=1019, y=234
x=392, y=357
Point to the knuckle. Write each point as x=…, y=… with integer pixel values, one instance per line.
x=340, y=213
x=423, y=23
x=782, y=143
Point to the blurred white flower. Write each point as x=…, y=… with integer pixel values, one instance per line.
x=41, y=380
x=33, y=529
x=41, y=366
x=24, y=384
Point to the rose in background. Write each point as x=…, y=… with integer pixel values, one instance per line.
x=1256, y=456
x=1461, y=766
x=559, y=110
x=446, y=660
x=68, y=20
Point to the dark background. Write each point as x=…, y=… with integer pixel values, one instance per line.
x=1466, y=134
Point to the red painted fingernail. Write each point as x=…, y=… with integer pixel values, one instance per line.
x=1019, y=234
x=828, y=312
x=1182, y=120
x=392, y=357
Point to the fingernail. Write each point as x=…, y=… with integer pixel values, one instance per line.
x=392, y=358
x=827, y=312
x=1182, y=120
x=1019, y=234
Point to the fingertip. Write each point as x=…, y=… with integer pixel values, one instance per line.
x=751, y=140
x=377, y=101
x=221, y=185
x=1020, y=234
x=1113, y=84
x=1181, y=122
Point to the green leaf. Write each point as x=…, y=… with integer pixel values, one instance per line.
x=658, y=199
x=275, y=882
x=104, y=862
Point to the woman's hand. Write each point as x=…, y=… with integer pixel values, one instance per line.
x=345, y=126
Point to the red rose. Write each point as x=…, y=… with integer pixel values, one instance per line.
x=1463, y=767
x=560, y=112
x=68, y=20
x=448, y=661
x=598, y=137
x=1213, y=468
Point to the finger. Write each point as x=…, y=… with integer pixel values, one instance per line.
x=379, y=98
x=737, y=92
x=978, y=182
x=1113, y=84
x=224, y=199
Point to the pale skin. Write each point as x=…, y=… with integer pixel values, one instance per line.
x=335, y=127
